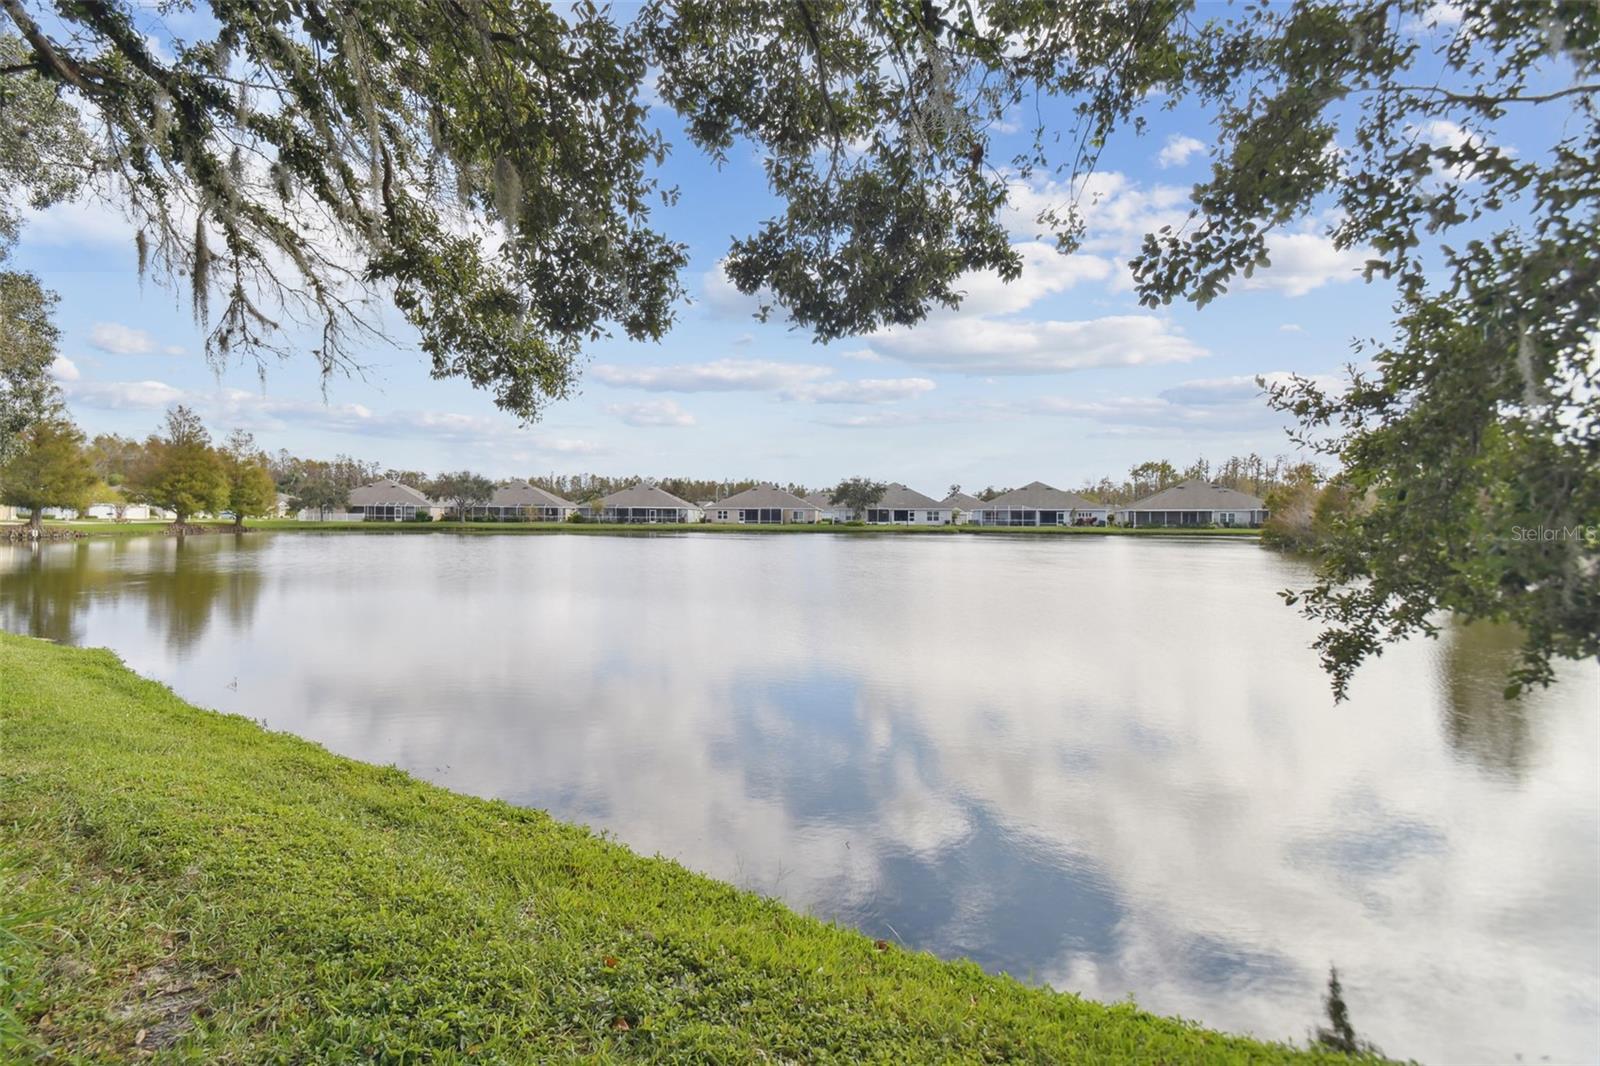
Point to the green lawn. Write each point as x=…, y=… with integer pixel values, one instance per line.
x=187, y=885
x=98, y=528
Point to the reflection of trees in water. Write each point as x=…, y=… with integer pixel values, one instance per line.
x=183, y=582
x=42, y=586
x=201, y=575
x=1480, y=723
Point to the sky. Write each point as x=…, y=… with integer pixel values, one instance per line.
x=1060, y=376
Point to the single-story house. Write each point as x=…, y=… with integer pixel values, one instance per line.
x=1038, y=504
x=521, y=501
x=131, y=512
x=642, y=504
x=1195, y=502
x=961, y=507
x=900, y=506
x=765, y=504
x=827, y=510
x=387, y=500
x=283, y=505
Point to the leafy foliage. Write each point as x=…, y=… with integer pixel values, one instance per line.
x=858, y=494
x=182, y=472
x=251, y=491
x=28, y=338
x=48, y=469
x=463, y=490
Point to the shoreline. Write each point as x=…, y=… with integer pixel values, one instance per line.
x=283, y=525
x=189, y=884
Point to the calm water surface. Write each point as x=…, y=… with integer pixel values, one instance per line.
x=1106, y=764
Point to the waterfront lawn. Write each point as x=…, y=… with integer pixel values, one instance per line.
x=187, y=886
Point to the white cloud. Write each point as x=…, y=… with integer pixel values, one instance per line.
x=981, y=346
x=117, y=339
x=806, y=382
x=651, y=413
x=720, y=375
x=1435, y=18
x=1045, y=272
x=63, y=369
x=724, y=300
x=902, y=419
x=1177, y=150
x=1302, y=262
x=1223, y=405
x=228, y=408
x=1291, y=327
x=89, y=220
x=861, y=355
x=124, y=395
x=863, y=390
x=1117, y=212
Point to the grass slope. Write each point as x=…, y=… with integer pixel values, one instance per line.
x=189, y=887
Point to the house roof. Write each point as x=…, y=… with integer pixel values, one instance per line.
x=1037, y=496
x=821, y=501
x=960, y=501
x=1197, y=495
x=387, y=491
x=765, y=495
x=642, y=495
x=898, y=497
x=523, y=494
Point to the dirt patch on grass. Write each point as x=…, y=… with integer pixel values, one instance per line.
x=163, y=1001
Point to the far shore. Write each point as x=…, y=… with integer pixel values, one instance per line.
x=99, y=528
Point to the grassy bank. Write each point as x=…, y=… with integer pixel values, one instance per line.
x=190, y=885
x=289, y=524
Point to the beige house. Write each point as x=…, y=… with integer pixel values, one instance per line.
x=764, y=504
x=961, y=507
x=387, y=500
x=523, y=502
x=642, y=504
x=900, y=506
x=1195, y=503
x=827, y=510
x=1038, y=504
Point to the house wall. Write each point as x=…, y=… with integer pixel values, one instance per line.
x=884, y=516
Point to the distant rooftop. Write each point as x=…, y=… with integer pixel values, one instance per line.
x=1198, y=495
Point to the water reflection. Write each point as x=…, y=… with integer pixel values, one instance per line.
x=1105, y=764
x=182, y=583
x=1482, y=725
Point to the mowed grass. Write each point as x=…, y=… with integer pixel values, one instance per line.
x=185, y=886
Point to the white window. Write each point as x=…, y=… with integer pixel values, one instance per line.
x=722, y=516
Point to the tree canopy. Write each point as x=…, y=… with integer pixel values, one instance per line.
x=182, y=472
x=463, y=490
x=858, y=494
x=48, y=468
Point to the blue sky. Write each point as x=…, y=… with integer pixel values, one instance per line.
x=1060, y=376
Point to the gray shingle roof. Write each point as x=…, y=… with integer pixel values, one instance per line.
x=1197, y=495
x=1038, y=496
x=523, y=494
x=765, y=496
x=960, y=501
x=820, y=500
x=900, y=498
x=387, y=491
x=642, y=496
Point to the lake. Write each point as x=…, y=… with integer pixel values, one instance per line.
x=1107, y=764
